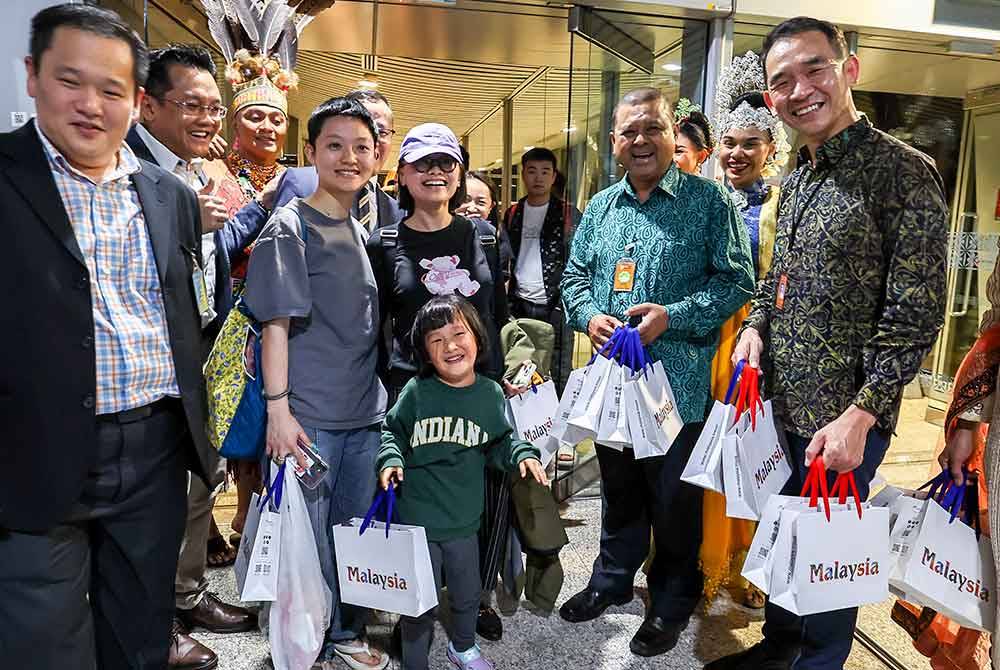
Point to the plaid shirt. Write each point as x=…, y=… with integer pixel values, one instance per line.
x=134, y=362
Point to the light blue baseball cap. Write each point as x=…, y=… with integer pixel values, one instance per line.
x=428, y=139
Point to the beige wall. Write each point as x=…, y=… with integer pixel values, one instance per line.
x=914, y=16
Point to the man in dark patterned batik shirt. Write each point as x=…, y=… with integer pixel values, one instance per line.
x=853, y=301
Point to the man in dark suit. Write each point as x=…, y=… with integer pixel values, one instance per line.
x=302, y=182
x=102, y=400
x=180, y=114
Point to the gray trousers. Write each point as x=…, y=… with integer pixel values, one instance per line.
x=457, y=561
x=190, y=582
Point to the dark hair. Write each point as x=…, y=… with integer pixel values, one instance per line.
x=466, y=157
x=158, y=81
x=539, y=154
x=638, y=96
x=405, y=198
x=335, y=107
x=491, y=186
x=438, y=312
x=95, y=20
x=364, y=95
x=805, y=24
x=696, y=128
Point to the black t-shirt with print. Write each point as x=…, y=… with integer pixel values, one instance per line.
x=425, y=264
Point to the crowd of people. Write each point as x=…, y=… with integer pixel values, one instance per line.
x=133, y=231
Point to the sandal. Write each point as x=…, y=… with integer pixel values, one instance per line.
x=753, y=597
x=220, y=554
x=348, y=650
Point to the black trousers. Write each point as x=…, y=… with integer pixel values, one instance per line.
x=97, y=591
x=638, y=495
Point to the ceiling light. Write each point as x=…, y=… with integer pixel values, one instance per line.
x=671, y=67
x=569, y=129
x=368, y=83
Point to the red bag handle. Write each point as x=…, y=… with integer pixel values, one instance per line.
x=843, y=485
x=815, y=485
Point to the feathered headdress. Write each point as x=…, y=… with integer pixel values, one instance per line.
x=746, y=75
x=259, y=40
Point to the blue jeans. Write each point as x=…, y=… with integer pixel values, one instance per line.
x=346, y=492
x=824, y=639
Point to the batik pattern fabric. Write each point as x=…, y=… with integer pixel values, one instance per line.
x=865, y=270
x=692, y=256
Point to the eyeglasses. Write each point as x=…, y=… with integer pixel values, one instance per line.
x=443, y=163
x=385, y=133
x=217, y=112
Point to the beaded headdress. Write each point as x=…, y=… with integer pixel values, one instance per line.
x=746, y=75
x=259, y=40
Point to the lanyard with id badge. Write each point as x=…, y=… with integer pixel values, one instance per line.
x=625, y=271
x=205, y=309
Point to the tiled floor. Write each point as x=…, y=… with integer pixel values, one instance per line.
x=532, y=641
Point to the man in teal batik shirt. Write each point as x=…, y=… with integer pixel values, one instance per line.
x=692, y=270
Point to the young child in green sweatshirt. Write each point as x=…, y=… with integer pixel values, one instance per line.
x=446, y=426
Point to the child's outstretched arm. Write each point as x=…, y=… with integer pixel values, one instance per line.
x=396, y=431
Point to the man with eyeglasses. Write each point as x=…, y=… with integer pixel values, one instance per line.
x=851, y=305
x=180, y=114
x=669, y=251
x=374, y=208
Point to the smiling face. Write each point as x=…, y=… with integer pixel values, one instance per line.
x=478, y=200
x=452, y=351
x=260, y=132
x=643, y=140
x=433, y=187
x=344, y=155
x=810, y=87
x=188, y=135
x=743, y=152
x=85, y=97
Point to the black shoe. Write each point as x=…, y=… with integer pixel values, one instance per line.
x=656, y=636
x=762, y=656
x=488, y=624
x=589, y=604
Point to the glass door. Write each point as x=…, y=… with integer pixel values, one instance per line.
x=972, y=247
x=624, y=52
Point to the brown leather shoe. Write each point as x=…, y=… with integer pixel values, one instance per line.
x=186, y=653
x=216, y=616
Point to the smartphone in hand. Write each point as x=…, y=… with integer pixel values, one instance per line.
x=316, y=469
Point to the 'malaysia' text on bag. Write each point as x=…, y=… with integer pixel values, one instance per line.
x=961, y=582
x=823, y=572
x=368, y=576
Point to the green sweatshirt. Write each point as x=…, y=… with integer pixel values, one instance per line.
x=442, y=437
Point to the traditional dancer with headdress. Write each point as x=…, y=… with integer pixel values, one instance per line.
x=693, y=133
x=259, y=41
x=752, y=148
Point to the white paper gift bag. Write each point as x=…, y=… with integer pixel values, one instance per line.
x=561, y=430
x=950, y=570
x=585, y=414
x=640, y=424
x=704, y=468
x=256, y=564
x=384, y=568
x=832, y=564
x=740, y=500
x=613, y=427
x=533, y=413
x=660, y=406
x=764, y=459
x=760, y=555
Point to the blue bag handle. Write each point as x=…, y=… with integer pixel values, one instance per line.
x=389, y=497
x=952, y=501
x=611, y=340
x=734, y=380
x=640, y=353
x=275, y=489
x=938, y=486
